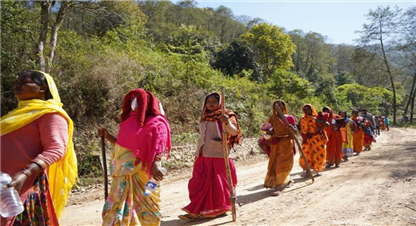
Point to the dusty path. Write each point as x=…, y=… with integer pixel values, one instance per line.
x=376, y=188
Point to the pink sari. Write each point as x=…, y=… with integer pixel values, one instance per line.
x=208, y=188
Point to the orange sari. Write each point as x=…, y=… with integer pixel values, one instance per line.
x=357, y=137
x=281, y=155
x=313, y=145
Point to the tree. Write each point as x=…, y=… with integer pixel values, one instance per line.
x=380, y=32
x=367, y=67
x=313, y=56
x=46, y=17
x=375, y=99
x=235, y=58
x=407, y=44
x=273, y=49
x=344, y=78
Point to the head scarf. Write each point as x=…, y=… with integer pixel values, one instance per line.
x=314, y=112
x=285, y=111
x=146, y=103
x=216, y=116
x=331, y=113
x=63, y=173
x=144, y=130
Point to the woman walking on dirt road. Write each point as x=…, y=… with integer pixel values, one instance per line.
x=37, y=150
x=314, y=138
x=209, y=191
x=281, y=149
x=143, y=139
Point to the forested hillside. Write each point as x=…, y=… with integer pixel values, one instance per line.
x=99, y=50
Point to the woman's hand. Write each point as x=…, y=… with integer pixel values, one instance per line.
x=292, y=129
x=102, y=132
x=156, y=173
x=17, y=181
x=225, y=119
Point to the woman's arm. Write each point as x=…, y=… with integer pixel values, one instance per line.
x=53, y=130
x=230, y=124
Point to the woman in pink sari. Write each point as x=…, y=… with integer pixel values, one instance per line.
x=208, y=188
x=143, y=138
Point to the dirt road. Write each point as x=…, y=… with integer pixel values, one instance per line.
x=376, y=188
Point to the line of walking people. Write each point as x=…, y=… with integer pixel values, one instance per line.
x=328, y=139
x=37, y=151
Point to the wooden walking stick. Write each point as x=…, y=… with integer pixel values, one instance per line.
x=105, y=167
x=293, y=135
x=227, y=163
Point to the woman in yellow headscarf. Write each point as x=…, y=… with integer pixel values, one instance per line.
x=37, y=150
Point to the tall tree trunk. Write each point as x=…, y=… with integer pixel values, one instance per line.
x=411, y=94
x=412, y=105
x=390, y=75
x=54, y=33
x=44, y=18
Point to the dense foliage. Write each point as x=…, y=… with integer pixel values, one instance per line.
x=181, y=53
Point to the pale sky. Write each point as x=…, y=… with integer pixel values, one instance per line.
x=338, y=20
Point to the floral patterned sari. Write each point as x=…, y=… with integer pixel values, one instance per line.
x=126, y=203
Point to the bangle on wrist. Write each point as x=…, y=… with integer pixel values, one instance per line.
x=26, y=172
x=42, y=164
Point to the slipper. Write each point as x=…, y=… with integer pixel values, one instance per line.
x=276, y=193
x=187, y=217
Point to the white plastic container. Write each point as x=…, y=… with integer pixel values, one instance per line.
x=152, y=184
x=10, y=204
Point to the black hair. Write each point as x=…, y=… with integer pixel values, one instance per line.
x=40, y=79
x=346, y=115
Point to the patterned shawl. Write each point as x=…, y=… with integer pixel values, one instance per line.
x=216, y=116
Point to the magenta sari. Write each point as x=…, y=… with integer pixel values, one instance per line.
x=208, y=188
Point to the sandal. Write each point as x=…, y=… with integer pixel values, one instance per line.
x=187, y=217
x=276, y=193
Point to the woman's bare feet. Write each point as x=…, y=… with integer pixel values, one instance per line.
x=290, y=184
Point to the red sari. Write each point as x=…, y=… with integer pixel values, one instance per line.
x=209, y=190
x=334, y=145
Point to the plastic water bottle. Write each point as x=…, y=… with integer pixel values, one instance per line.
x=152, y=184
x=11, y=205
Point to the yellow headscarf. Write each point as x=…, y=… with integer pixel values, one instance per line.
x=63, y=173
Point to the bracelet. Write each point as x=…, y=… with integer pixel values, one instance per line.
x=27, y=171
x=42, y=164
